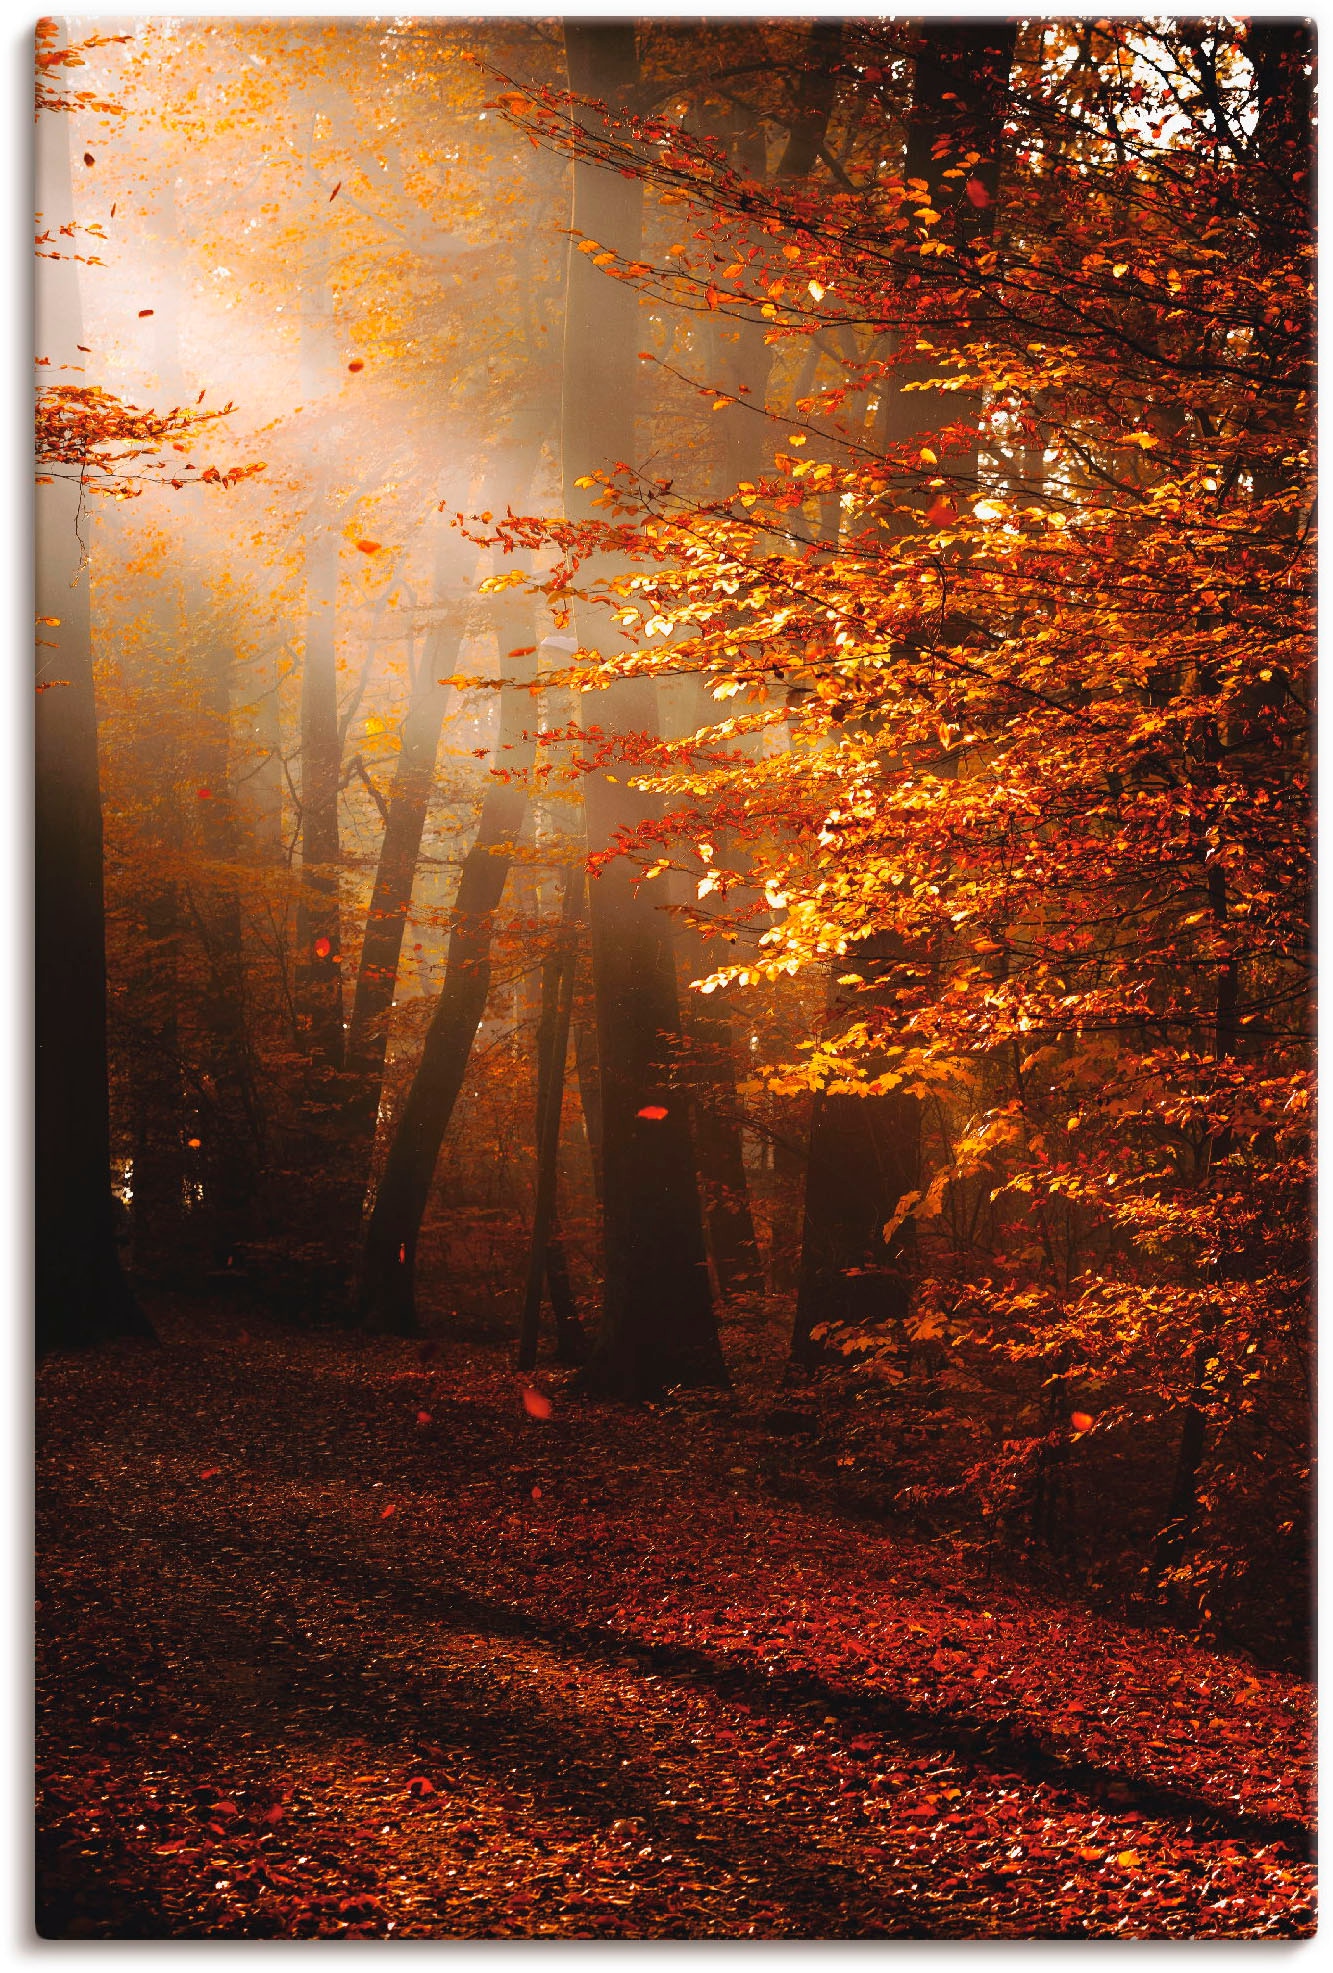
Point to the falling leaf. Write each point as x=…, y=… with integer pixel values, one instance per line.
x=322, y=948
x=210, y=1472
x=369, y=547
x=334, y=193
x=977, y=192
x=145, y=311
x=203, y=794
x=536, y=1493
x=193, y=1143
x=654, y=1112
x=1082, y=1421
x=356, y=364
x=1128, y=1859
x=387, y=1511
x=402, y=1253
x=535, y=1404
x=423, y=1418
x=88, y=158
x=941, y=510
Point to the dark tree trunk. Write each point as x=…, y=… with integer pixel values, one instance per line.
x=865, y=1151
x=657, y=1326
x=386, y=1296
x=1280, y=51
x=558, y=973
x=81, y=1293
x=318, y=967
x=391, y=900
x=717, y=1130
x=414, y=775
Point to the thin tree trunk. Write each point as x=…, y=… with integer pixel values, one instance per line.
x=318, y=968
x=657, y=1326
x=82, y=1296
x=386, y=1297
x=552, y=1047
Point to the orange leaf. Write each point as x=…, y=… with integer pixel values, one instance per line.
x=193, y=1143
x=941, y=510
x=535, y=1404
x=1082, y=1421
x=369, y=547
x=653, y=1111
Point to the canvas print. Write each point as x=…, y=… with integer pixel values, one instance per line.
x=673, y=962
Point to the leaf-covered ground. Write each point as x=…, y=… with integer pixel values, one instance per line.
x=340, y=1640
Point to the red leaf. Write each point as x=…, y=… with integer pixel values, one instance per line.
x=977, y=192
x=535, y=1404
x=369, y=547
x=941, y=510
x=88, y=158
x=390, y=1509
x=536, y=1493
x=322, y=948
x=143, y=312
x=423, y=1418
x=210, y=1472
x=334, y=193
x=357, y=365
x=653, y=1111
x=203, y=794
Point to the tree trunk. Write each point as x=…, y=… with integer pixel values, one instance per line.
x=865, y=1151
x=552, y=1047
x=318, y=968
x=386, y=1296
x=717, y=1131
x=82, y=1296
x=657, y=1326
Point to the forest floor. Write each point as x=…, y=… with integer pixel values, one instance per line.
x=340, y=1641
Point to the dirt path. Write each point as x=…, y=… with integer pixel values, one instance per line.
x=341, y=1643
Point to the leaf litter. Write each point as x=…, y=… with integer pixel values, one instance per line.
x=419, y=1663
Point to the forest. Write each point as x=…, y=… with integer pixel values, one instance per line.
x=673, y=964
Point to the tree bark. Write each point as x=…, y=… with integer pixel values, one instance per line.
x=386, y=1296
x=552, y=1047
x=82, y=1296
x=865, y=1151
x=657, y=1324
